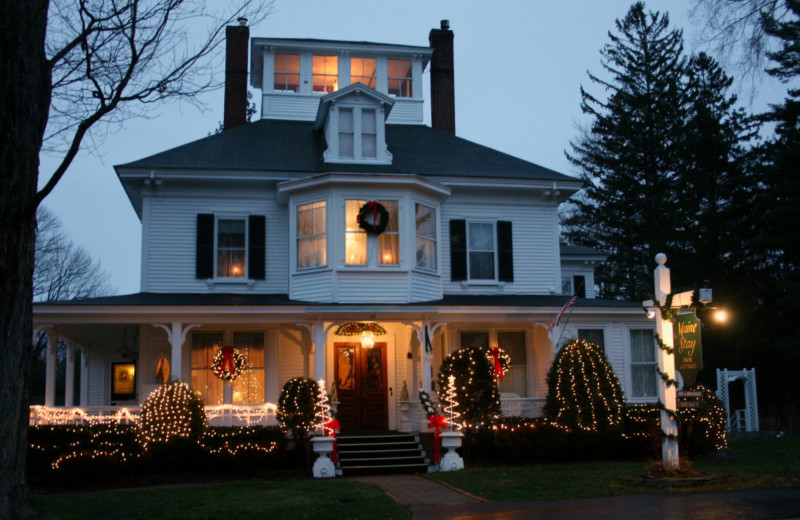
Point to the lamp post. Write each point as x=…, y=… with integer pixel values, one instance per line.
x=667, y=393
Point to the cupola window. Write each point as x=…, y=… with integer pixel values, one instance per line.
x=287, y=72
x=362, y=70
x=325, y=74
x=400, y=78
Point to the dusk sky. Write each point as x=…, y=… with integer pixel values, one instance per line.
x=518, y=69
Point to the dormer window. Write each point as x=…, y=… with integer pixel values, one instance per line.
x=287, y=72
x=325, y=74
x=362, y=70
x=400, y=78
x=346, y=130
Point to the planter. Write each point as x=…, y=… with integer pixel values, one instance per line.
x=451, y=461
x=405, y=424
x=323, y=466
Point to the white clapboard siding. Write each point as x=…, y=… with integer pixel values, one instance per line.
x=171, y=227
x=312, y=286
x=290, y=105
x=293, y=354
x=535, y=242
x=406, y=111
x=425, y=286
x=372, y=287
x=97, y=391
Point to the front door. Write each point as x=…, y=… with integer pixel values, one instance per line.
x=361, y=384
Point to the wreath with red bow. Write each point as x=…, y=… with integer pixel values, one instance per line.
x=228, y=364
x=373, y=217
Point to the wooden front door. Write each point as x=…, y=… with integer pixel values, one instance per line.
x=361, y=384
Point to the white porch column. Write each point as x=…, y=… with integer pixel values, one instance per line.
x=320, y=336
x=667, y=394
x=176, y=334
x=69, y=386
x=84, y=400
x=50, y=370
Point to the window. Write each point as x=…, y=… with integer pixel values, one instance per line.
x=566, y=285
x=475, y=254
x=579, y=283
x=643, y=363
x=400, y=78
x=480, y=251
x=325, y=74
x=513, y=344
x=369, y=135
x=311, y=235
x=346, y=132
x=362, y=70
x=596, y=336
x=248, y=387
x=231, y=248
x=287, y=72
x=425, y=218
x=357, y=240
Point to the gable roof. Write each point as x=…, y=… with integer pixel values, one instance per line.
x=294, y=147
x=355, y=89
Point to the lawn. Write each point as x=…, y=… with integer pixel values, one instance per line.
x=750, y=463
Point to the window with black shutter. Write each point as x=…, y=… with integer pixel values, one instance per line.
x=458, y=250
x=505, y=252
x=257, y=247
x=204, y=258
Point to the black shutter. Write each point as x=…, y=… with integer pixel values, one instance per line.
x=458, y=250
x=579, y=284
x=204, y=259
x=257, y=253
x=505, y=252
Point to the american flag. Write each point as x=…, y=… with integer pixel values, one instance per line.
x=557, y=319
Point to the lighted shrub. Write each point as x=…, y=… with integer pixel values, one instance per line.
x=297, y=406
x=583, y=393
x=476, y=389
x=171, y=413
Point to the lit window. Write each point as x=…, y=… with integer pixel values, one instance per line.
x=346, y=131
x=311, y=235
x=426, y=236
x=400, y=78
x=203, y=379
x=362, y=70
x=643, y=363
x=287, y=72
x=248, y=388
x=231, y=248
x=389, y=240
x=325, y=74
x=355, y=237
x=516, y=378
x=480, y=249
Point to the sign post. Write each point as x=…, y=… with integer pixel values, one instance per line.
x=666, y=364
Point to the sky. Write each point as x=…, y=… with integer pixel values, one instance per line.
x=519, y=65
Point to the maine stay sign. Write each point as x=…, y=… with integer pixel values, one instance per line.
x=688, y=347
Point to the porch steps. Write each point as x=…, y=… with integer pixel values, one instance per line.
x=381, y=453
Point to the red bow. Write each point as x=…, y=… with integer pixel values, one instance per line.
x=436, y=421
x=498, y=368
x=371, y=205
x=329, y=429
x=227, y=361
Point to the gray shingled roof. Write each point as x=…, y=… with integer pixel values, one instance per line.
x=293, y=146
x=454, y=300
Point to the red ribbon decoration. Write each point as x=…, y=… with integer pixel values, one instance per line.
x=329, y=429
x=436, y=421
x=371, y=205
x=498, y=368
x=227, y=360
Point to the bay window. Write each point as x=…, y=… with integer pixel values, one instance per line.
x=425, y=218
x=357, y=240
x=311, y=235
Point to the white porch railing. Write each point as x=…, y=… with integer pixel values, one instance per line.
x=218, y=415
x=528, y=407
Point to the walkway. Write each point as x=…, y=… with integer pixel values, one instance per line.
x=428, y=500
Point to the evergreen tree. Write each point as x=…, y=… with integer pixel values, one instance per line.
x=629, y=157
x=476, y=389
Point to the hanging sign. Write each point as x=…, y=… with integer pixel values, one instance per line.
x=688, y=347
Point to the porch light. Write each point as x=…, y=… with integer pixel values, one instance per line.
x=367, y=339
x=720, y=316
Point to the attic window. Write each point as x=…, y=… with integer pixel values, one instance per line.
x=358, y=134
x=362, y=70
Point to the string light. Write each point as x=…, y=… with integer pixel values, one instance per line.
x=451, y=404
x=477, y=395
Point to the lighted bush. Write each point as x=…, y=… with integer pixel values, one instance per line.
x=476, y=389
x=297, y=406
x=171, y=413
x=583, y=393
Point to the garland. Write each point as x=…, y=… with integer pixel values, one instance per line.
x=373, y=217
x=425, y=401
x=228, y=363
x=356, y=329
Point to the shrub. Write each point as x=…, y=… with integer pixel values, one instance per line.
x=297, y=406
x=476, y=389
x=583, y=391
x=173, y=415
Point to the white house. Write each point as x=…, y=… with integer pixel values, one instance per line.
x=251, y=238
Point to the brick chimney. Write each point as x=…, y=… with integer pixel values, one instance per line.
x=443, y=97
x=237, y=39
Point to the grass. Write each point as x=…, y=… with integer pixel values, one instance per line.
x=750, y=463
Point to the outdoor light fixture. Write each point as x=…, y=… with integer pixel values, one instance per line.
x=720, y=316
x=367, y=339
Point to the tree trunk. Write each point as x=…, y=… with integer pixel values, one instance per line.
x=24, y=104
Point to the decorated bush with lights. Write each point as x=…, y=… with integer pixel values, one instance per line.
x=298, y=407
x=477, y=399
x=171, y=413
x=584, y=394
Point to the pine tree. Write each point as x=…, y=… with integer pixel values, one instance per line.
x=629, y=156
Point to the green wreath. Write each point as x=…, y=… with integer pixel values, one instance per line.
x=228, y=363
x=373, y=217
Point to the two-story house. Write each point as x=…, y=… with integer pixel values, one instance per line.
x=340, y=238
